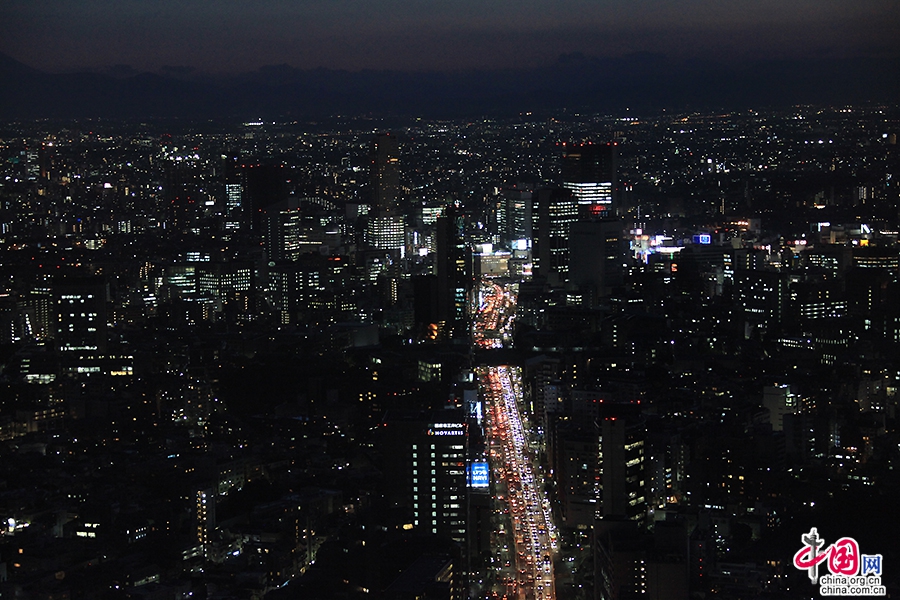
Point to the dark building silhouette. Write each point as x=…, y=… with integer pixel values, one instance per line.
x=384, y=173
x=263, y=186
x=596, y=257
x=455, y=273
x=181, y=195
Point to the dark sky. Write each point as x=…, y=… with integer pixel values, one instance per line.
x=240, y=35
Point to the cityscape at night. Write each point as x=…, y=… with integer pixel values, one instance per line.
x=449, y=301
x=548, y=356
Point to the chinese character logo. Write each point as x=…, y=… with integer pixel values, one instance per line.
x=808, y=556
x=871, y=564
x=842, y=556
x=850, y=573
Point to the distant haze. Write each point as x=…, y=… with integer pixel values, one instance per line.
x=230, y=36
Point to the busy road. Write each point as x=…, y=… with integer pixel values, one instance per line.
x=493, y=316
x=525, y=538
x=519, y=490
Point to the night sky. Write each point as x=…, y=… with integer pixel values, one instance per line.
x=240, y=35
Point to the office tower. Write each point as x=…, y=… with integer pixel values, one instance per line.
x=81, y=317
x=621, y=459
x=181, y=195
x=263, y=186
x=9, y=325
x=439, y=486
x=455, y=273
x=387, y=232
x=281, y=229
x=589, y=171
x=233, y=206
x=573, y=456
x=514, y=216
x=425, y=470
x=780, y=402
x=204, y=518
x=631, y=563
x=597, y=251
x=312, y=283
x=761, y=299
x=233, y=215
x=224, y=281
x=553, y=212
x=384, y=173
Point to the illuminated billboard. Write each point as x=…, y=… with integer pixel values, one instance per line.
x=703, y=238
x=479, y=475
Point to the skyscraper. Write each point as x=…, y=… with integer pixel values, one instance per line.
x=455, y=273
x=263, y=186
x=81, y=316
x=384, y=173
x=597, y=252
x=622, y=462
x=589, y=171
x=425, y=467
x=515, y=205
x=553, y=212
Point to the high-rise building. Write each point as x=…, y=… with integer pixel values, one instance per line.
x=761, y=299
x=553, y=212
x=631, y=563
x=387, y=232
x=31, y=316
x=455, y=273
x=181, y=193
x=514, y=215
x=622, y=474
x=204, y=518
x=384, y=173
x=780, y=402
x=572, y=450
x=262, y=187
x=81, y=316
x=281, y=225
x=597, y=251
x=439, y=479
x=233, y=214
x=425, y=470
x=589, y=171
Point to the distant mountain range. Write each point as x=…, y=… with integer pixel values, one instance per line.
x=574, y=81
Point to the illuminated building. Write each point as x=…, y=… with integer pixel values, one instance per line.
x=81, y=317
x=589, y=171
x=233, y=215
x=514, y=215
x=284, y=233
x=439, y=479
x=621, y=486
x=426, y=470
x=780, y=401
x=233, y=202
x=204, y=518
x=387, y=233
x=553, y=212
x=306, y=284
x=761, y=298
